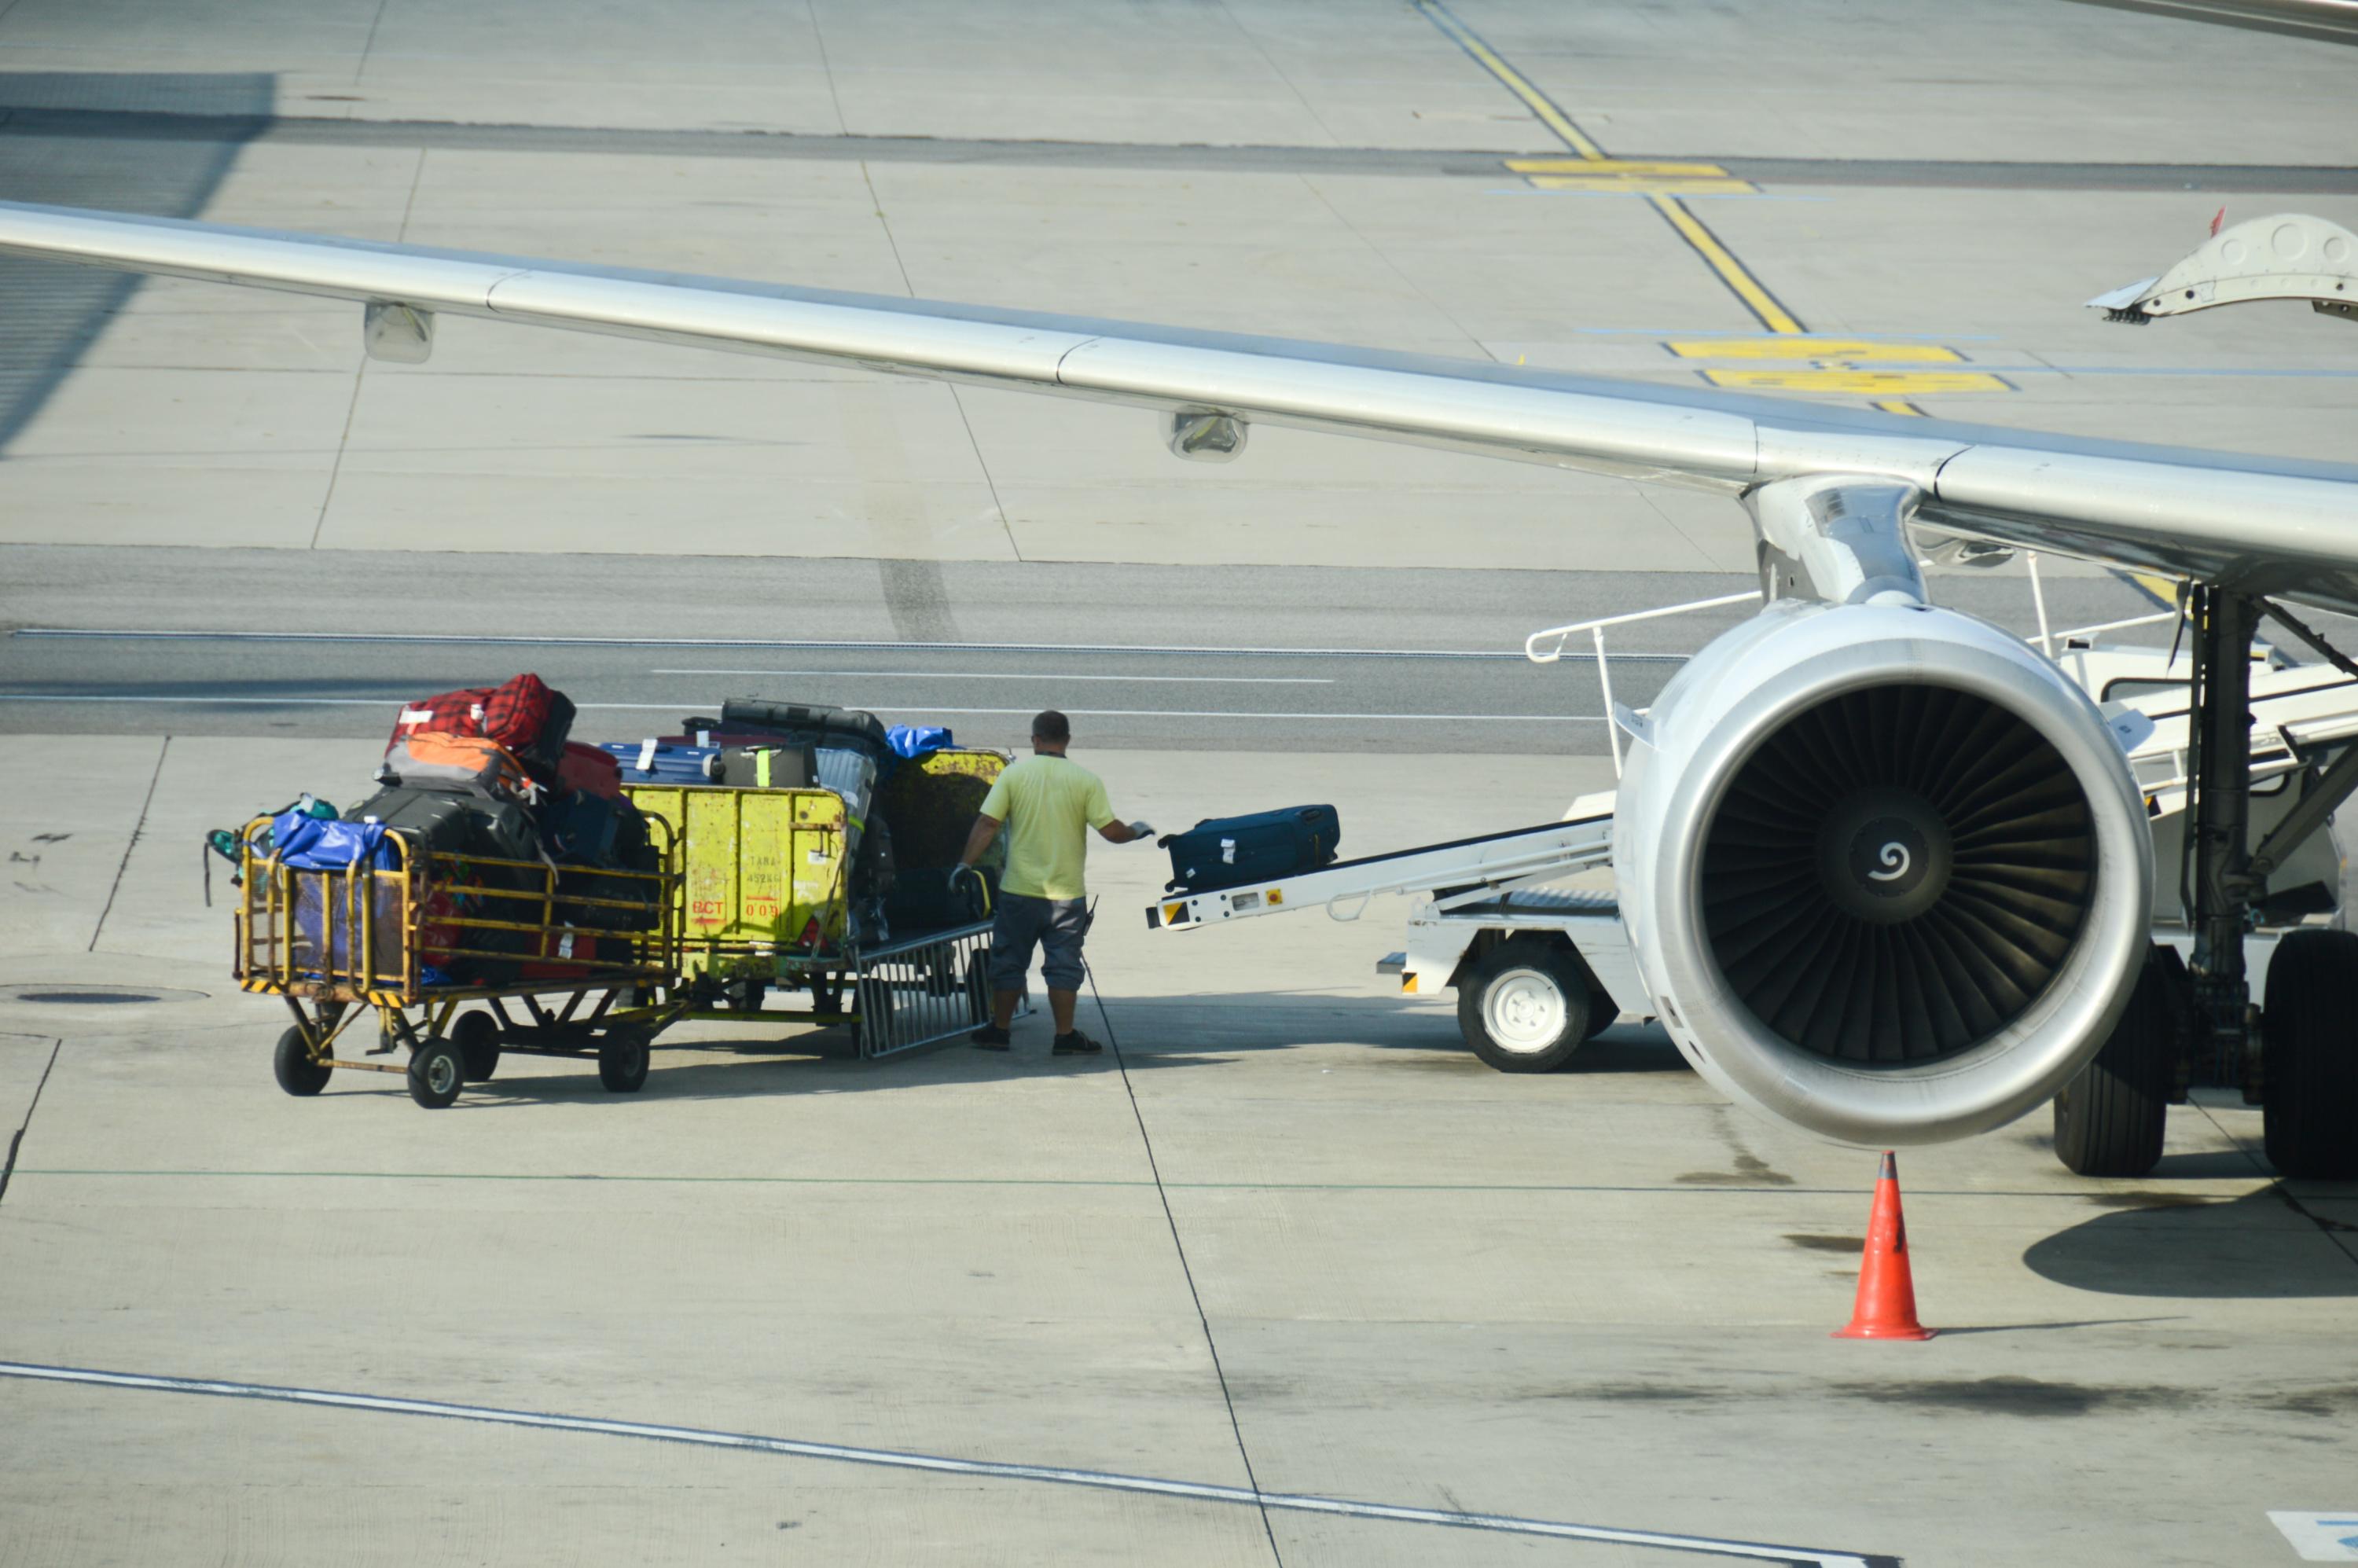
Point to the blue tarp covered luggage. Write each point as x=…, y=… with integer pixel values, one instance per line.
x=308, y=843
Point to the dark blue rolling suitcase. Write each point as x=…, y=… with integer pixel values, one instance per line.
x=1227, y=851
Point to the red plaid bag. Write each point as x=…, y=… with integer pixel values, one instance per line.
x=516, y=711
x=450, y=713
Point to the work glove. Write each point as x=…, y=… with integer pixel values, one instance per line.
x=1141, y=829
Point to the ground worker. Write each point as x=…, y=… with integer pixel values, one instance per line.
x=1047, y=805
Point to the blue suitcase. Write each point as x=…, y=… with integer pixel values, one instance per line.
x=656, y=762
x=1227, y=851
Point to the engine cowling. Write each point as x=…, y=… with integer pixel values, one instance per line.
x=1886, y=871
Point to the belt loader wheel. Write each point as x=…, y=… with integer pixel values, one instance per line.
x=2308, y=1057
x=477, y=1036
x=297, y=1073
x=436, y=1073
x=2109, y=1118
x=1524, y=1006
x=623, y=1060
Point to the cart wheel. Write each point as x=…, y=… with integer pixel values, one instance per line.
x=477, y=1036
x=622, y=1061
x=436, y=1073
x=298, y=1074
x=978, y=990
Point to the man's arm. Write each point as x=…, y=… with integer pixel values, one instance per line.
x=1125, y=832
x=979, y=839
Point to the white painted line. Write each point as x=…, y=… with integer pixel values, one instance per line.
x=872, y=707
x=2320, y=1538
x=850, y=644
x=1002, y=675
x=1505, y=1524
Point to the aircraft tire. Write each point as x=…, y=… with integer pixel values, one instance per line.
x=2308, y=1057
x=2109, y=1118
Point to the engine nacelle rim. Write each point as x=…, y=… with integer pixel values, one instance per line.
x=2030, y=1057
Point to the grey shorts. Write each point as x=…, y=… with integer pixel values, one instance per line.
x=1055, y=925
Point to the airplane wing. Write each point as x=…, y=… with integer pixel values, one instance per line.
x=2263, y=526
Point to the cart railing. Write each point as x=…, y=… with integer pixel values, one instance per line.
x=391, y=933
x=922, y=990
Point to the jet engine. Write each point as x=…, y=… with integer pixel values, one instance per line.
x=1886, y=871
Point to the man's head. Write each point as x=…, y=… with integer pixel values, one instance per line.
x=1052, y=733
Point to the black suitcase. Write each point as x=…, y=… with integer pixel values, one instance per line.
x=454, y=822
x=925, y=899
x=473, y=828
x=811, y=723
x=591, y=838
x=764, y=767
x=1227, y=851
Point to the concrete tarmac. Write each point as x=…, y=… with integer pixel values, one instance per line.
x=1289, y=1242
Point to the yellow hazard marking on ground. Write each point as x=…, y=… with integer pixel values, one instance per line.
x=1553, y=118
x=1868, y=382
x=1661, y=183
x=1757, y=298
x=1627, y=184
x=1630, y=177
x=1850, y=351
x=1595, y=166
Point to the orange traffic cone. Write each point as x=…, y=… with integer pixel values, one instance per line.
x=1887, y=1290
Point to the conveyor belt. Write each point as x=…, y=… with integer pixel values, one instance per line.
x=1493, y=862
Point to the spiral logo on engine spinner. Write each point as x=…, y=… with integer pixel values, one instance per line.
x=1894, y=856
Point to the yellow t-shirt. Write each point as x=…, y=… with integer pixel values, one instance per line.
x=1049, y=804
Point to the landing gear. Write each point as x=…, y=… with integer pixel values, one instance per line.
x=2196, y=1024
x=2109, y=1118
x=2309, y=1056
x=1524, y=1006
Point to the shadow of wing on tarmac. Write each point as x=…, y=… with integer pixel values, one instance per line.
x=2256, y=1247
x=54, y=310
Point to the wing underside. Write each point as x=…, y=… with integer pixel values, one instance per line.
x=2258, y=524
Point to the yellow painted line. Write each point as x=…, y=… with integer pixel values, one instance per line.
x=1899, y=405
x=1625, y=186
x=1553, y=118
x=1642, y=167
x=1850, y=350
x=1762, y=304
x=1868, y=382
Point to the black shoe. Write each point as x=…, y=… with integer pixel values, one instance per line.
x=1075, y=1045
x=989, y=1037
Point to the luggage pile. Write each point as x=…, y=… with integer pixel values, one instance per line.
x=487, y=779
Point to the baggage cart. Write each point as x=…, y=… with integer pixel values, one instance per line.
x=784, y=898
x=459, y=957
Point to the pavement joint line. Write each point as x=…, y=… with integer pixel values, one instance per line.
x=175, y=125
x=17, y=1137
x=138, y=828
x=1701, y=1189
x=1178, y=1243
x=903, y=1459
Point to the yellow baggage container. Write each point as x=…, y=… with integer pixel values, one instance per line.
x=766, y=869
